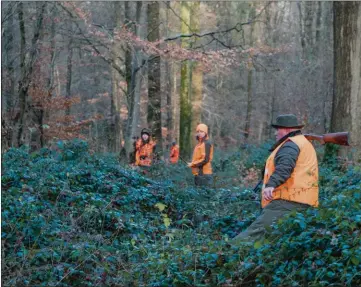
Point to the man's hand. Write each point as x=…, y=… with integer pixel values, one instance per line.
x=189, y=164
x=267, y=193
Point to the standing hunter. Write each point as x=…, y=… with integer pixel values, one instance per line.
x=174, y=153
x=290, y=180
x=202, y=158
x=144, y=149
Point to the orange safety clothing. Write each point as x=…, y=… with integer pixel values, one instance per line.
x=144, y=152
x=202, y=154
x=174, y=154
x=302, y=185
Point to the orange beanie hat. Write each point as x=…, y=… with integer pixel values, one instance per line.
x=202, y=128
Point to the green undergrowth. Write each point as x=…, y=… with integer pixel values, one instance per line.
x=71, y=218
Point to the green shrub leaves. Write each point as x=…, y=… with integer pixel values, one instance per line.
x=70, y=218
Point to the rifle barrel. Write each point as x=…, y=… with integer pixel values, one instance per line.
x=340, y=138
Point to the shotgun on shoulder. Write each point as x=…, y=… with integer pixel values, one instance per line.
x=340, y=138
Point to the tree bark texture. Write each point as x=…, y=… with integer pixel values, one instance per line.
x=346, y=109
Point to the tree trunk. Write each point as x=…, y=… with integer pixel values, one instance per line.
x=36, y=109
x=22, y=85
x=169, y=104
x=8, y=81
x=134, y=94
x=185, y=102
x=130, y=63
x=44, y=116
x=154, y=102
x=115, y=133
x=196, y=75
x=308, y=18
x=168, y=89
x=69, y=74
x=302, y=32
x=249, y=84
x=197, y=89
x=174, y=81
x=249, y=105
x=8, y=61
x=318, y=22
x=346, y=109
x=272, y=109
x=27, y=68
x=53, y=53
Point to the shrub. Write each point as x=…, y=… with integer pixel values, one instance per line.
x=72, y=218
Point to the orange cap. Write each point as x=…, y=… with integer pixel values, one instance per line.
x=202, y=128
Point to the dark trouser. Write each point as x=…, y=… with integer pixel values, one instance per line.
x=144, y=169
x=271, y=213
x=203, y=180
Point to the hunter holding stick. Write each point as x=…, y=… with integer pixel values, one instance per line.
x=290, y=180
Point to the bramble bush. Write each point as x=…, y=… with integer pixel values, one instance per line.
x=72, y=218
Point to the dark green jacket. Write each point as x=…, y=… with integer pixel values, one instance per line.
x=285, y=160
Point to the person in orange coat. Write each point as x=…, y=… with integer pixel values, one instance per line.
x=174, y=153
x=201, y=164
x=145, y=147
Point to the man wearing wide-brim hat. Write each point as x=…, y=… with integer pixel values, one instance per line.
x=290, y=180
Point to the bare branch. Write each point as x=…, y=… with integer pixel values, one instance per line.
x=109, y=61
x=237, y=27
x=179, y=17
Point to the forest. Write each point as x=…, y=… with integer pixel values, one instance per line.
x=80, y=83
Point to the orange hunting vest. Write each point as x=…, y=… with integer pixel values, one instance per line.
x=302, y=186
x=174, y=154
x=199, y=154
x=144, y=153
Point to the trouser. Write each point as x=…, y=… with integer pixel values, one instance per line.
x=271, y=213
x=144, y=169
x=203, y=180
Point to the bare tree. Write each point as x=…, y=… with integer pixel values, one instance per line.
x=137, y=75
x=346, y=108
x=27, y=64
x=154, y=105
x=118, y=92
x=185, y=101
x=8, y=76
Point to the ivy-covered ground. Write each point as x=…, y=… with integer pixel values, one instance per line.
x=70, y=218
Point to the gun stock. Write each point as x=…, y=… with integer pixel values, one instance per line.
x=258, y=187
x=340, y=138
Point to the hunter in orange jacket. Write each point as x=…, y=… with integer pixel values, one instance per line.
x=202, y=157
x=174, y=153
x=290, y=181
x=144, y=149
